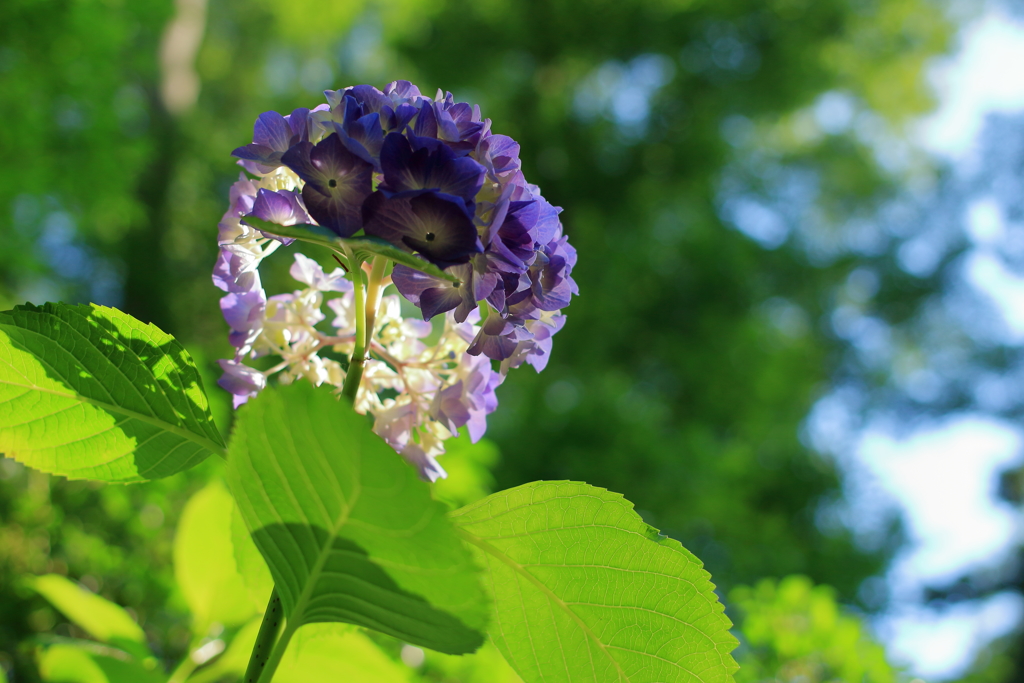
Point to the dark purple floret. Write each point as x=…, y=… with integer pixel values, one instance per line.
x=434, y=225
x=514, y=240
x=459, y=123
x=363, y=137
x=365, y=99
x=425, y=124
x=498, y=338
x=431, y=294
x=272, y=136
x=283, y=207
x=337, y=182
x=415, y=163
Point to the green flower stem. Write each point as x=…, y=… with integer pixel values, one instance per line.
x=355, y=364
x=366, y=318
x=265, y=645
x=275, y=656
x=373, y=292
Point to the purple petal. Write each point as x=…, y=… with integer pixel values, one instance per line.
x=446, y=128
x=272, y=135
x=439, y=300
x=308, y=272
x=497, y=338
x=337, y=182
x=243, y=310
x=426, y=465
x=426, y=123
x=241, y=381
x=448, y=408
x=363, y=137
x=413, y=164
x=231, y=274
x=434, y=225
x=401, y=92
x=282, y=207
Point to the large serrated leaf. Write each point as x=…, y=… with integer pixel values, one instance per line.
x=89, y=392
x=349, y=531
x=364, y=247
x=584, y=590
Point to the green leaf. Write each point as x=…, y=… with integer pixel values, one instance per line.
x=486, y=665
x=364, y=247
x=86, y=663
x=584, y=590
x=100, y=618
x=350, y=533
x=88, y=392
x=327, y=653
x=319, y=653
x=250, y=563
x=204, y=562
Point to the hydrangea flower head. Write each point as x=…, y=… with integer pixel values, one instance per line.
x=487, y=264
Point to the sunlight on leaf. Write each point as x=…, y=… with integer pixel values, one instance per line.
x=88, y=392
x=326, y=653
x=584, y=590
x=350, y=533
x=251, y=565
x=204, y=562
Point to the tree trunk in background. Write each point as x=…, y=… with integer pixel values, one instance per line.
x=148, y=278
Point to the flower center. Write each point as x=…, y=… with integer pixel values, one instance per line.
x=332, y=183
x=430, y=237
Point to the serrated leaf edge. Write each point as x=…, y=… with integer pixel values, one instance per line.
x=654, y=535
x=167, y=426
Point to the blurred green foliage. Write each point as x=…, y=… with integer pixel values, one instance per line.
x=687, y=365
x=795, y=632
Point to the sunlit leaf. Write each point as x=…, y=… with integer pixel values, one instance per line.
x=486, y=665
x=204, y=561
x=89, y=392
x=327, y=653
x=85, y=663
x=584, y=590
x=365, y=247
x=350, y=533
x=251, y=565
x=97, y=616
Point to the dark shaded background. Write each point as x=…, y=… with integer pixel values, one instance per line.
x=722, y=211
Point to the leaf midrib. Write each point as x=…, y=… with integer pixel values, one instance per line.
x=349, y=504
x=156, y=422
x=520, y=569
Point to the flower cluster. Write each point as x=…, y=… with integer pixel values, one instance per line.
x=426, y=176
